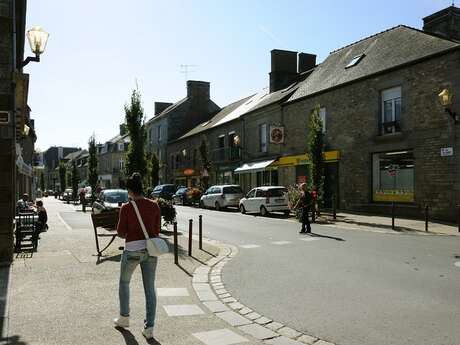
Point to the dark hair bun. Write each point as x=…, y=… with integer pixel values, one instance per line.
x=134, y=183
x=136, y=177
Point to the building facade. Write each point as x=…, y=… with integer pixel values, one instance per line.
x=51, y=159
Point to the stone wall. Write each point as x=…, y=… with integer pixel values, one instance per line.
x=352, y=127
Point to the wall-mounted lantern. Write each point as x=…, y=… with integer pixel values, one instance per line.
x=37, y=38
x=236, y=140
x=445, y=99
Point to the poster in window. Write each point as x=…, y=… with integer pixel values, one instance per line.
x=276, y=134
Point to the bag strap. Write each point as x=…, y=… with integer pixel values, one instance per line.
x=139, y=218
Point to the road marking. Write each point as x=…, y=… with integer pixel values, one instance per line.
x=249, y=246
x=172, y=292
x=308, y=239
x=280, y=243
x=68, y=227
x=457, y=264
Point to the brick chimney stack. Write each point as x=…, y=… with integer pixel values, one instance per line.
x=445, y=23
x=159, y=107
x=198, y=91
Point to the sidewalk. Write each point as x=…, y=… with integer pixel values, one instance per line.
x=61, y=295
x=361, y=221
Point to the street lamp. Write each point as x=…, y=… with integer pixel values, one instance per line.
x=37, y=38
x=445, y=99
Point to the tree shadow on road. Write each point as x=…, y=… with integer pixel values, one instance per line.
x=12, y=340
x=102, y=259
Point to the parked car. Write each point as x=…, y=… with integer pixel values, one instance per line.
x=223, y=196
x=110, y=199
x=165, y=191
x=264, y=200
x=187, y=196
x=67, y=196
x=180, y=197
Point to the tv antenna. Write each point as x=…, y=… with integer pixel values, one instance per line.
x=186, y=69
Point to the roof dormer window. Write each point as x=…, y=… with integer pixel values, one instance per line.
x=355, y=60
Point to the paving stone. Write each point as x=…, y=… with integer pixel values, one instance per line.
x=206, y=296
x=216, y=279
x=245, y=310
x=183, y=310
x=228, y=300
x=220, y=337
x=225, y=295
x=215, y=306
x=172, y=292
x=201, y=287
x=282, y=341
x=263, y=320
x=218, y=285
x=306, y=339
x=274, y=326
x=202, y=270
x=233, y=318
x=323, y=342
x=221, y=291
x=289, y=332
x=236, y=305
x=200, y=278
x=253, y=316
x=257, y=331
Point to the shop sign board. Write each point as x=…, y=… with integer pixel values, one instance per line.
x=447, y=151
x=189, y=172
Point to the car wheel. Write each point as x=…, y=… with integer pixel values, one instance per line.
x=263, y=211
x=242, y=209
x=217, y=206
x=202, y=204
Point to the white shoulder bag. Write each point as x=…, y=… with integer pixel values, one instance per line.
x=155, y=246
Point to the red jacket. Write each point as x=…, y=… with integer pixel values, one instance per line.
x=128, y=225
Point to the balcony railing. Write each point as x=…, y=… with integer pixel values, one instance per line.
x=226, y=154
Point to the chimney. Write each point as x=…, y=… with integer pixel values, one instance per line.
x=284, y=69
x=445, y=23
x=123, y=129
x=198, y=91
x=306, y=62
x=159, y=107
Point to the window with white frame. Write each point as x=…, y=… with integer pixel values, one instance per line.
x=121, y=164
x=391, y=110
x=121, y=147
x=263, y=147
x=159, y=133
x=322, y=116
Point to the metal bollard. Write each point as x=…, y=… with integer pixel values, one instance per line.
x=334, y=207
x=393, y=215
x=190, y=227
x=200, y=229
x=84, y=207
x=426, y=218
x=176, y=247
x=458, y=206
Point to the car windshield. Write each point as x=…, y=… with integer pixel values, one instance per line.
x=115, y=197
x=233, y=190
x=181, y=191
x=169, y=188
x=277, y=192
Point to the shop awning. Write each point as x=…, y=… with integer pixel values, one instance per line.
x=253, y=167
x=329, y=156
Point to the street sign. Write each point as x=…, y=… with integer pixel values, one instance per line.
x=447, y=151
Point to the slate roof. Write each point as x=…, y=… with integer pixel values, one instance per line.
x=168, y=110
x=386, y=50
x=118, y=138
x=74, y=155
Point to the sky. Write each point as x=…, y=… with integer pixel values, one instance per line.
x=100, y=50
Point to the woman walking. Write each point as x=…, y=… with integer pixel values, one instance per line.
x=304, y=203
x=135, y=252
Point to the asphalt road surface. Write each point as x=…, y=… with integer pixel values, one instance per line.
x=353, y=287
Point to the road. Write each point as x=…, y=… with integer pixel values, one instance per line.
x=350, y=287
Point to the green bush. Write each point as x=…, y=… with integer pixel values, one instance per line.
x=168, y=211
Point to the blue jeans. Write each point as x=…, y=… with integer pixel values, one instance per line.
x=129, y=262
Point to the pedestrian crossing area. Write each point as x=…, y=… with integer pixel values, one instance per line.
x=279, y=243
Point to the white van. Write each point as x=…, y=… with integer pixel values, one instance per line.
x=266, y=199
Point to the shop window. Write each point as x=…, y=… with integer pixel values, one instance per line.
x=391, y=111
x=393, y=176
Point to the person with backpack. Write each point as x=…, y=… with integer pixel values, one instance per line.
x=135, y=252
x=304, y=203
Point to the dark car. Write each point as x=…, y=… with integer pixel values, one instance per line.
x=110, y=199
x=164, y=191
x=180, y=197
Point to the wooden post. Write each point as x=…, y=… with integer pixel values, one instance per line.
x=200, y=228
x=190, y=227
x=176, y=248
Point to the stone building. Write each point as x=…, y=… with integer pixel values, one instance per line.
x=382, y=113
x=51, y=159
x=171, y=121
x=111, y=160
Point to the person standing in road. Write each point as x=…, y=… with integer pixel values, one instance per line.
x=135, y=252
x=304, y=203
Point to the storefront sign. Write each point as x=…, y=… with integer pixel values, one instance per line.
x=189, y=172
x=447, y=151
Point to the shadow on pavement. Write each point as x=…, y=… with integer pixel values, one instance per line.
x=101, y=260
x=13, y=340
x=130, y=339
x=312, y=234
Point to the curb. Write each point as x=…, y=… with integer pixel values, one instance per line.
x=208, y=286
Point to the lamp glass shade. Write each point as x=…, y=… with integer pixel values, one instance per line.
x=37, y=39
x=445, y=97
x=236, y=140
x=184, y=152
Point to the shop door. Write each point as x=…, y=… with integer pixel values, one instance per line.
x=331, y=184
